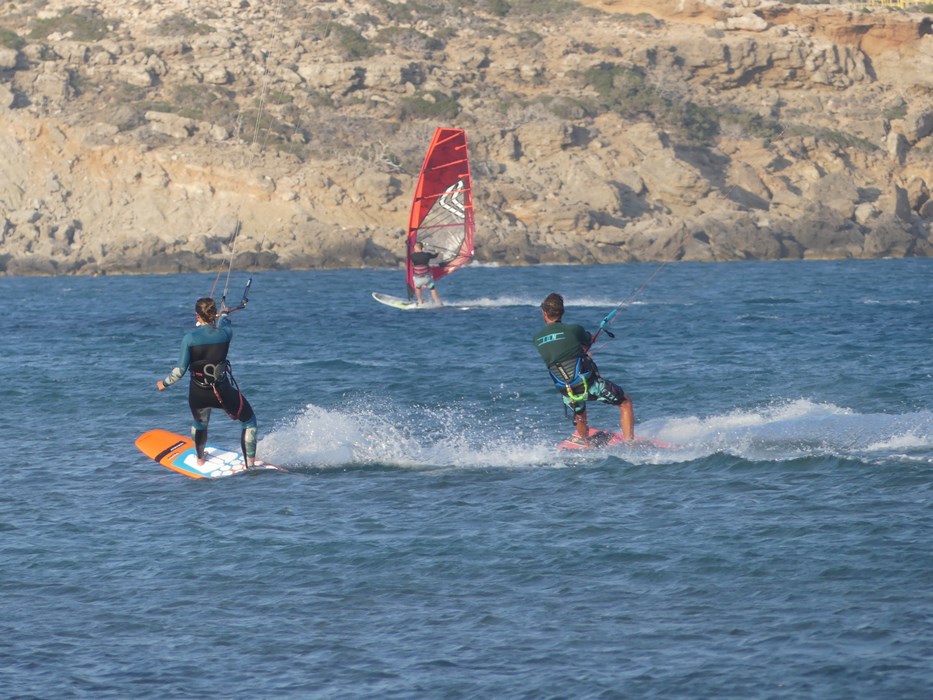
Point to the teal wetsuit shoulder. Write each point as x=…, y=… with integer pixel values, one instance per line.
x=204, y=343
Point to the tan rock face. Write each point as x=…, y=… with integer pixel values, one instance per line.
x=140, y=137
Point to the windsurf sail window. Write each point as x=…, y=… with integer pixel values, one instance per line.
x=441, y=215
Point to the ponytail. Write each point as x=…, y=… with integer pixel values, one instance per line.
x=206, y=308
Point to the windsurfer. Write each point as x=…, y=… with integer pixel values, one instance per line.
x=421, y=274
x=564, y=349
x=204, y=351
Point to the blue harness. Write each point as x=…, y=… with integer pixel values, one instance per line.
x=566, y=381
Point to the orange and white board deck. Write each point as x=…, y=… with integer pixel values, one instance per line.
x=176, y=452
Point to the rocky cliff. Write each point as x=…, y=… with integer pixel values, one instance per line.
x=148, y=137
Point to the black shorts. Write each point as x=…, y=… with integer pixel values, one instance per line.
x=601, y=390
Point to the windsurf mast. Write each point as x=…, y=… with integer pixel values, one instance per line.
x=441, y=215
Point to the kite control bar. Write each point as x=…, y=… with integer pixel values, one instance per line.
x=244, y=300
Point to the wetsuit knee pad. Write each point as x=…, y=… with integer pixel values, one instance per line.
x=201, y=417
x=248, y=441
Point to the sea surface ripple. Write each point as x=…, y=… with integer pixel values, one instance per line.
x=431, y=541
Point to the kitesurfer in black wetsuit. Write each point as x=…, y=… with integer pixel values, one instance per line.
x=204, y=352
x=421, y=273
x=564, y=348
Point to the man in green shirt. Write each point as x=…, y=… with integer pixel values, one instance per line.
x=564, y=349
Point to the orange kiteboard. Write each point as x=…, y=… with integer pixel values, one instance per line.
x=176, y=452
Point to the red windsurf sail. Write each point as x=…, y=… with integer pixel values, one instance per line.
x=441, y=215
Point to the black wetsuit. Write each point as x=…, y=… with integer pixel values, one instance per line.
x=204, y=352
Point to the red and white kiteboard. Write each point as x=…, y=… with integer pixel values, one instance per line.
x=604, y=438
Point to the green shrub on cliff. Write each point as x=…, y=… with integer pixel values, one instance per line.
x=403, y=12
x=434, y=105
x=11, y=40
x=407, y=38
x=898, y=111
x=351, y=43
x=540, y=8
x=499, y=8
x=267, y=130
x=840, y=138
x=181, y=26
x=528, y=38
x=211, y=105
x=627, y=91
x=753, y=125
x=83, y=26
x=566, y=107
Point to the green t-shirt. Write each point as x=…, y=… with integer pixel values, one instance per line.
x=558, y=342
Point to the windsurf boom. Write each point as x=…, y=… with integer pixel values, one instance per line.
x=441, y=214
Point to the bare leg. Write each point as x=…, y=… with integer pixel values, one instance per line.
x=418, y=295
x=583, y=428
x=627, y=418
x=437, y=299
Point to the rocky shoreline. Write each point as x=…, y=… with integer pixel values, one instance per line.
x=140, y=137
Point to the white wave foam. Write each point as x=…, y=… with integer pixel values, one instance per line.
x=376, y=435
x=379, y=434
x=798, y=428
x=525, y=300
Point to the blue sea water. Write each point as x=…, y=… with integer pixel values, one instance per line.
x=432, y=542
